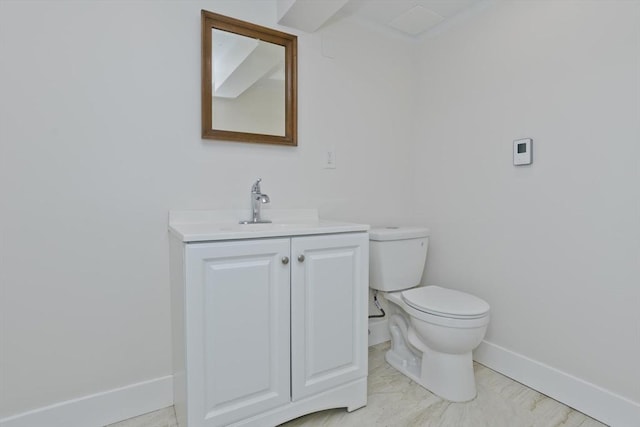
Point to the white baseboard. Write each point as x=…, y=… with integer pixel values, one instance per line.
x=378, y=331
x=601, y=404
x=100, y=409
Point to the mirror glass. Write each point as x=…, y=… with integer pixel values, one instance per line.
x=248, y=82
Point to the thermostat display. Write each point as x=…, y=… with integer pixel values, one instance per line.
x=522, y=151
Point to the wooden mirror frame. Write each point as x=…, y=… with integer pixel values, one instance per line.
x=212, y=21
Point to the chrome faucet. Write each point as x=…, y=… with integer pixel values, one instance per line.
x=257, y=199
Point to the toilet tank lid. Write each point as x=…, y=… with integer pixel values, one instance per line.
x=397, y=233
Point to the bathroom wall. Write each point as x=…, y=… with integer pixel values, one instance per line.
x=553, y=247
x=100, y=138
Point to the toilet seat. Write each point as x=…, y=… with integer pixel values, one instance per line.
x=437, y=319
x=445, y=302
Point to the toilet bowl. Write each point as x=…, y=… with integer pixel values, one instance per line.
x=433, y=330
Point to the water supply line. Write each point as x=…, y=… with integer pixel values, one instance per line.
x=378, y=306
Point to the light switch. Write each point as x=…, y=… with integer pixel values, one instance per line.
x=330, y=158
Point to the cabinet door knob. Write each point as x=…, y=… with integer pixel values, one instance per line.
x=285, y=260
x=301, y=258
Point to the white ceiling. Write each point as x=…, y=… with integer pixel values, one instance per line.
x=241, y=62
x=411, y=18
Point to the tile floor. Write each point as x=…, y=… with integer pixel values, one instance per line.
x=396, y=401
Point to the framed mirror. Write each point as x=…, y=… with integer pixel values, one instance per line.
x=249, y=82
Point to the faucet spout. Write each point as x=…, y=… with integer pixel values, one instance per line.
x=255, y=188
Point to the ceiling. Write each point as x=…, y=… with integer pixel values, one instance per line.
x=241, y=62
x=409, y=18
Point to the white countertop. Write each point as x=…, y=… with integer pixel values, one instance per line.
x=201, y=226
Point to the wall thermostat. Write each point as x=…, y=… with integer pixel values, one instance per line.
x=522, y=151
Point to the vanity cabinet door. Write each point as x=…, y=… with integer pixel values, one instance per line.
x=237, y=329
x=329, y=288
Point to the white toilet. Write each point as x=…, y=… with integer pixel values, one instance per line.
x=435, y=329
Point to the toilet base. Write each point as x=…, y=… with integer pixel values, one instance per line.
x=411, y=370
x=449, y=376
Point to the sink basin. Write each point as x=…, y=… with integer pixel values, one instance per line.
x=200, y=226
x=265, y=229
x=274, y=226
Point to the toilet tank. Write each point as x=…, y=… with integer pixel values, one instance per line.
x=396, y=257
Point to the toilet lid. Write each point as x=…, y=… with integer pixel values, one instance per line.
x=445, y=302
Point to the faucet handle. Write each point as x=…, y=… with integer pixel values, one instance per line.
x=256, y=186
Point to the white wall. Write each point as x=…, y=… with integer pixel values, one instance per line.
x=100, y=137
x=553, y=247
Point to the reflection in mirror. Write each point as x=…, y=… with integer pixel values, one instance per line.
x=248, y=82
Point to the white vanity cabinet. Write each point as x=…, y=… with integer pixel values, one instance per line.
x=268, y=329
